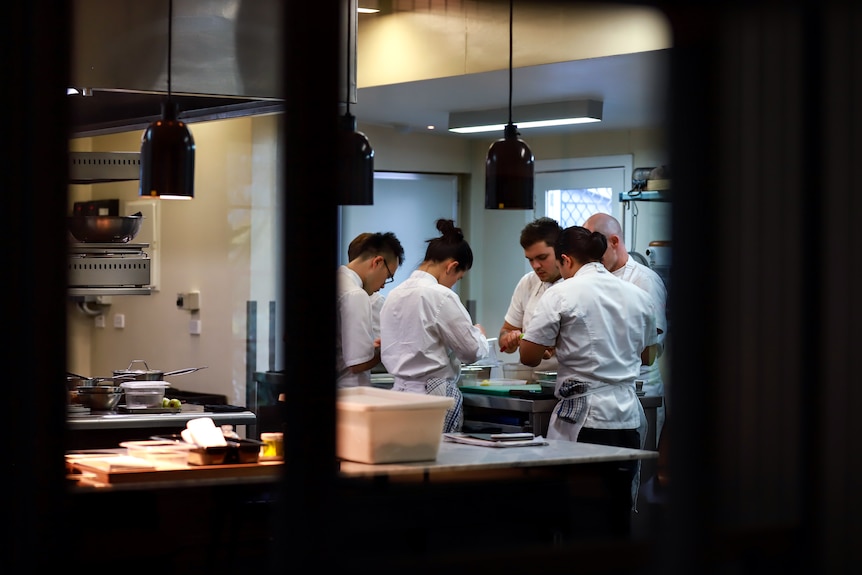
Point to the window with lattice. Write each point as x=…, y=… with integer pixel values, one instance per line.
x=573, y=207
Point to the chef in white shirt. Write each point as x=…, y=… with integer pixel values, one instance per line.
x=603, y=329
x=425, y=330
x=538, y=239
x=617, y=260
x=357, y=348
x=353, y=251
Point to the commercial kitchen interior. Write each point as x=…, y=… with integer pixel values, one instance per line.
x=762, y=136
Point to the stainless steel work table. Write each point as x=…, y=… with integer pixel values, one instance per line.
x=155, y=420
x=106, y=430
x=537, y=413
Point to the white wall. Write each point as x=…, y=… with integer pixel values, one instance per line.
x=206, y=245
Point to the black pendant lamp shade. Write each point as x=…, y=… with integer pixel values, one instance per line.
x=509, y=171
x=355, y=178
x=510, y=166
x=355, y=165
x=167, y=147
x=168, y=157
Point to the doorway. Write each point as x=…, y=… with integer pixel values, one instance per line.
x=407, y=205
x=572, y=190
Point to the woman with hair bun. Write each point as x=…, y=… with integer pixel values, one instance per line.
x=602, y=328
x=425, y=331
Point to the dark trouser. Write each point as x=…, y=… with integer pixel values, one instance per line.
x=619, y=482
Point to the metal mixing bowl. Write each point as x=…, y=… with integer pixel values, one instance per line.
x=100, y=397
x=104, y=229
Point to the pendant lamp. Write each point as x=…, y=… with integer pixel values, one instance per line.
x=510, y=166
x=167, y=147
x=355, y=178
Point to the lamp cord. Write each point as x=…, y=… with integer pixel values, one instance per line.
x=170, y=39
x=511, y=3
x=347, y=64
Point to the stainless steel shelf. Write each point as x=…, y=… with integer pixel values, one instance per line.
x=85, y=291
x=98, y=167
x=645, y=196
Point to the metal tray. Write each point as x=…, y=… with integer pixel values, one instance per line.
x=124, y=409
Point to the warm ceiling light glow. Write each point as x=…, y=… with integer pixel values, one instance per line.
x=367, y=10
x=525, y=117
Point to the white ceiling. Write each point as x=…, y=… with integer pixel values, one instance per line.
x=631, y=86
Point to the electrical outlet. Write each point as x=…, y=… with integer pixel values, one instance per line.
x=190, y=301
x=193, y=300
x=195, y=327
x=100, y=320
x=119, y=320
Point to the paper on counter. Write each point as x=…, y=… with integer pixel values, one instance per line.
x=464, y=438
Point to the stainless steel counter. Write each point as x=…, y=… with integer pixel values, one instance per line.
x=533, y=415
x=109, y=429
x=156, y=420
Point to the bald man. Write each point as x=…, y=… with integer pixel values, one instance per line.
x=618, y=262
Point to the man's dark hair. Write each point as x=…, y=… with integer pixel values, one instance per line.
x=541, y=230
x=368, y=245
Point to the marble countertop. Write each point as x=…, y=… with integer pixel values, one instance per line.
x=451, y=458
x=456, y=457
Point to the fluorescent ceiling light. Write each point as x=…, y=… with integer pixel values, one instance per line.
x=367, y=10
x=530, y=116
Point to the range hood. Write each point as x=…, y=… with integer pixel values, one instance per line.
x=226, y=61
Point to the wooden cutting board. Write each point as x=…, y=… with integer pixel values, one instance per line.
x=107, y=474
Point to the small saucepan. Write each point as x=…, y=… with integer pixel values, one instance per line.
x=74, y=381
x=147, y=374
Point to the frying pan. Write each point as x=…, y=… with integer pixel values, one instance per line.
x=148, y=374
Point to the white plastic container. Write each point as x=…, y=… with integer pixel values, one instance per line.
x=518, y=371
x=144, y=393
x=385, y=426
x=170, y=453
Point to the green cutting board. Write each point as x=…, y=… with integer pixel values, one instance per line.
x=499, y=389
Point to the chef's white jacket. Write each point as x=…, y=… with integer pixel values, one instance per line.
x=524, y=299
x=599, y=325
x=649, y=281
x=354, y=342
x=420, y=323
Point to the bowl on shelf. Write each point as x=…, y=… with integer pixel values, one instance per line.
x=104, y=229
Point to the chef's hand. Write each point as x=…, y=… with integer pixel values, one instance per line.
x=549, y=353
x=510, y=341
x=376, y=343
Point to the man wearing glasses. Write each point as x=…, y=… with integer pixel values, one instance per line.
x=374, y=259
